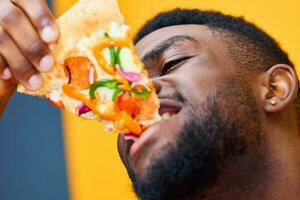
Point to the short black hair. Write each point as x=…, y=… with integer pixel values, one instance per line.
x=217, y=21
x=248, y=44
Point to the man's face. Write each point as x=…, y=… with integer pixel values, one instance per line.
x=197, y=83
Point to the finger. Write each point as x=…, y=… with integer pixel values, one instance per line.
x=40, y=15
x=17, y=25
x=20, y=67
x=6, y=74
x=3, y=66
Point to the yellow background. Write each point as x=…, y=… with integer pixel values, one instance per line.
x=94, y=169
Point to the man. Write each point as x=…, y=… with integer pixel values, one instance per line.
x=231, y=91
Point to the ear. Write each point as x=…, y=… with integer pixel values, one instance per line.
x=280, y=88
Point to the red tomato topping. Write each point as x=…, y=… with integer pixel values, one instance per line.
x=128, y=104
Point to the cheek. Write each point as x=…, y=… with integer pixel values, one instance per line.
x=200, y=77
x=197, y=84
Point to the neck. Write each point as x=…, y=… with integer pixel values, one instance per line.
x=270, y=173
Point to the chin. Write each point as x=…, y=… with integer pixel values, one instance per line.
x=138, y=153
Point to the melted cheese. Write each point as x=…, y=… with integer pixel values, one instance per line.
x=128, y=63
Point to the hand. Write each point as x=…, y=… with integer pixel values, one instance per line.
x=26, y=29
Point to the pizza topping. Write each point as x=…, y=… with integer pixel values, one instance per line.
x=116, y=93
x=128, y=104
x=147, y=105
x=129, y=76
x=129, y=62
x=83, y=109
x=108, y=83
x=114, y=56
x=92, y=76
x=122, y=77
x=112, y=44
x=58, y=104
x=101, y=61
x=124, y=120
x=92, y=104
x=78, y=70
x=140, y=92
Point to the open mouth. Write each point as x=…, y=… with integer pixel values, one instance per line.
x=169, y=108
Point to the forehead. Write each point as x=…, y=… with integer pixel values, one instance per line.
x=210, y=44
x=201, y=33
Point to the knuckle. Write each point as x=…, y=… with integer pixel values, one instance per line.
x=20, y=2
x=41, y=18
x=9, y=15
x=3, y=35
x=41, y=13
x=2, y=61
x=23, y=70
x=35, y=49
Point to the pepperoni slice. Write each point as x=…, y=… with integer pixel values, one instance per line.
x=78, y=70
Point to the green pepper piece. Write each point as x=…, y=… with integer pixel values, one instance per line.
x=116, y=94
x=118, y=59
x=110, y=84
x=112, y=54
x=115, y=56
x=141, y=94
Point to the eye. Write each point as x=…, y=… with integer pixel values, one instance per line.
x=173, y=64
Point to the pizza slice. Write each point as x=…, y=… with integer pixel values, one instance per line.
x=97, y=74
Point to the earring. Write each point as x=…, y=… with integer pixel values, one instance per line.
x=273, y=102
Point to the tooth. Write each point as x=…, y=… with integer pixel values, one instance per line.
x=166, y=116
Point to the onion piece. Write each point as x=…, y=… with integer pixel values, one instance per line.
x=92, y=76
x=129, y=76
x=83, y=109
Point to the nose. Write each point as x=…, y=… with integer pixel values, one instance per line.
x=157, y=85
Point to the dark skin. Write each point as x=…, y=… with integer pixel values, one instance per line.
x=204, y=65
x=207, y=65
x=185, y=78
x=27, y=28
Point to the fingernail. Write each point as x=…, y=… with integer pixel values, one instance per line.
x=35, y=82
x=49, y=34
x=6, y=74
x=46, y=63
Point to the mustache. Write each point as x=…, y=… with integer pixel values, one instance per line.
x=174, y=96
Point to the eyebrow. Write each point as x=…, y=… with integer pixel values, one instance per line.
x=163, y=46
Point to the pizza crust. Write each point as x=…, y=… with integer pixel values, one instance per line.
x=85, y=17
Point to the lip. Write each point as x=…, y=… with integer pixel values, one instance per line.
x=136, y=147
x=166, y=106
x=130, y=136
x=169, y=105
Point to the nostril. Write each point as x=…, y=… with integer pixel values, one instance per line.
x=157, y=85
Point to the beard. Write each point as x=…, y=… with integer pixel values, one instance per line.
x=223, y=128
